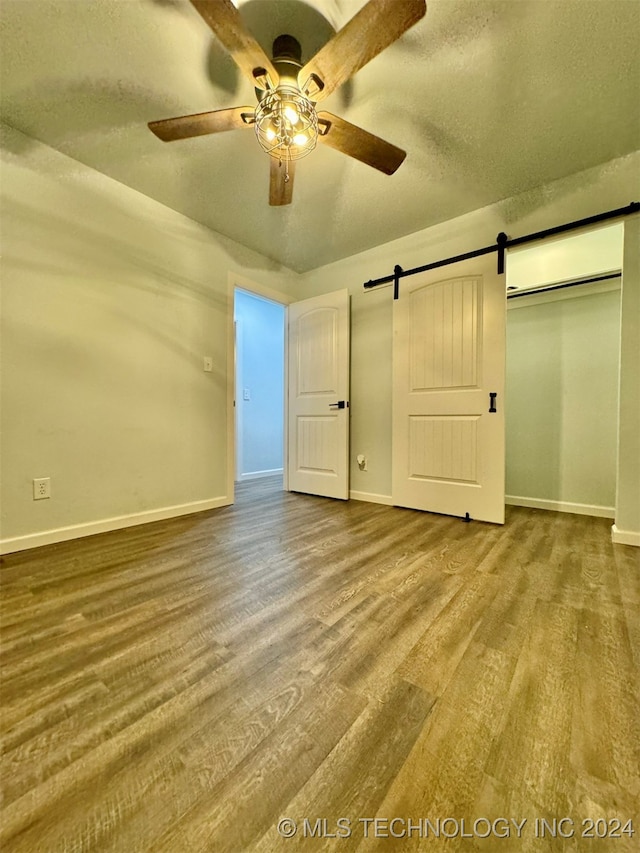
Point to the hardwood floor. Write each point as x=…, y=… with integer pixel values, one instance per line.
x=183, y=686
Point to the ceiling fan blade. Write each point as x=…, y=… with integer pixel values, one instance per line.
x=281, y=188
x=356, y=142
x=226, y=22
x=184, y=127
x=377, y=25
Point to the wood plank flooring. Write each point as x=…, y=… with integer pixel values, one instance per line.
x=183, y=686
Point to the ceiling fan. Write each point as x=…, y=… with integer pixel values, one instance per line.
x=285, y=120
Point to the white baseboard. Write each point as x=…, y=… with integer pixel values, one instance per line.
x=255, y=475
x=625, y=537
x=76, y=531
x=562, y=506
x=371, y=498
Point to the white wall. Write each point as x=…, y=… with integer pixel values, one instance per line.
x=627, y=526
x=259, y=373
x=605, y=187
x=110, y=301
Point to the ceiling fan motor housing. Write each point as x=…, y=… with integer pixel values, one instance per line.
x=287, y=47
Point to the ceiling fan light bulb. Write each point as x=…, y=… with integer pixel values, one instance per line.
x=300, y=139
x=291, y=115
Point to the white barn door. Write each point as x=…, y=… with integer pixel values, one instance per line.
x=448, y=361
x=318, y=424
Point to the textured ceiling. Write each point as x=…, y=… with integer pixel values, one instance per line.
x=488, y=97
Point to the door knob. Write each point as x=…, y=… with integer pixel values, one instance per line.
x=341, y=404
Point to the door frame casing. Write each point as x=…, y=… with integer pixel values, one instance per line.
x=236, y=280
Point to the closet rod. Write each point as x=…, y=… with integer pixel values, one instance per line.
x=502, y=243
x=544, y=288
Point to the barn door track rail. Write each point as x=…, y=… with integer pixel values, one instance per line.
x=502, y=243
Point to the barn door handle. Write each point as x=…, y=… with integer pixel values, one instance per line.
x=341, y=404
x=492, y=401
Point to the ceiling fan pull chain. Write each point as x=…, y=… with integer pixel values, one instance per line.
x=286, y=168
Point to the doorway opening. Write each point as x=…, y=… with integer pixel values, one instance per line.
x=260, y=386
x=563, y=364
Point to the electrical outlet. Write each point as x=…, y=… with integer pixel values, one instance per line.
x=41, y=488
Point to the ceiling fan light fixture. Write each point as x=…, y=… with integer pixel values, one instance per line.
x=286, y=123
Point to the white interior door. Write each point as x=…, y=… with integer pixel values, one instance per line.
x=448, y=358
x=318, y=428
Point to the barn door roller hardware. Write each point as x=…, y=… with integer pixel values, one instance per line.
x=502, y=243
